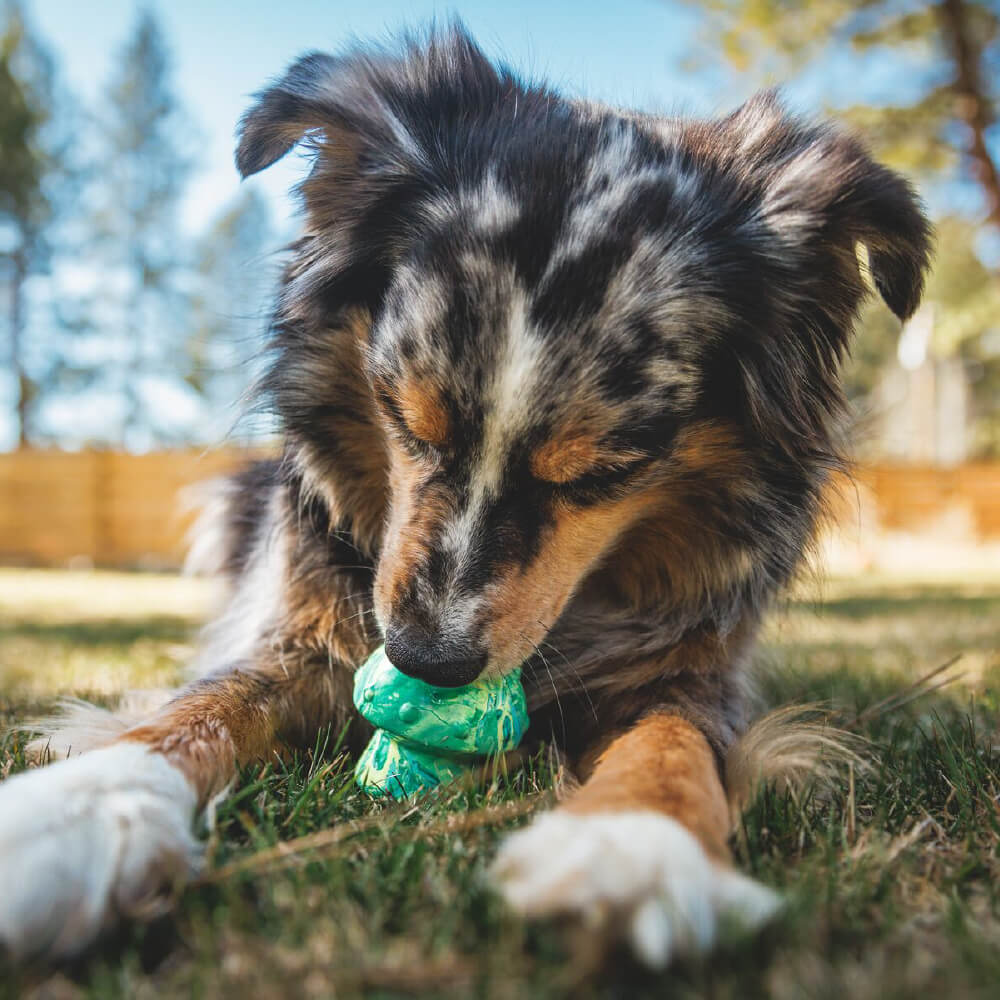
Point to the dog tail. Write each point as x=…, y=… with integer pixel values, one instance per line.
x=790, y=747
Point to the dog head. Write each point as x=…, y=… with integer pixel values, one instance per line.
x=517, y=328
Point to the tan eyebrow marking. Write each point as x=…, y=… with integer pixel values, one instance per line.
x=562, y=460
x=424, y=412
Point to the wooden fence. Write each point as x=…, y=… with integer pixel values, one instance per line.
x=115, y=509
x=102, y=507
x=918, y=497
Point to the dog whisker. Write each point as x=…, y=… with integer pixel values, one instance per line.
x=574, y=673
x=552, y=681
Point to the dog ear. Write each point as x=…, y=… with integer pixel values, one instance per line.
x=387, y=104
x=881, y=209
x=336, y=100
x=820, y=186
x=285, y=112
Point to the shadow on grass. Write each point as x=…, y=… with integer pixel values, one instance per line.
x=905, y=604
x=125, y=632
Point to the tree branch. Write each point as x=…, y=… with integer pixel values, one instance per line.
x=973, y=104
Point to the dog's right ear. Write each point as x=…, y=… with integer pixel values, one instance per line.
x=335, y=101
x=382, y=107
x=284, y=113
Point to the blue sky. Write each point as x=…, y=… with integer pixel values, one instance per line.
x=623, y=52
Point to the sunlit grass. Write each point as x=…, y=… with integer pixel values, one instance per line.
x=891, y=875
x=93, y=634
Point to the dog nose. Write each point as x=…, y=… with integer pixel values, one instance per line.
x=439, y=662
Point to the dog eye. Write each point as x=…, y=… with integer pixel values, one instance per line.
x=421, y=436
x=602, y=481
x=418, y=408
x=417, y=446
x=412, y=442
x=581, y=461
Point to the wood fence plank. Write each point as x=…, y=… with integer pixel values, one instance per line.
x=118, y=509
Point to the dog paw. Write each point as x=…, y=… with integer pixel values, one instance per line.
x=87, y=841
x=641, y=870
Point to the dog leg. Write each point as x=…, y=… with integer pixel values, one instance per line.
x=642, y=841
x=110, y=833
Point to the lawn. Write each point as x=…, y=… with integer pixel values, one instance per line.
x=891, y=877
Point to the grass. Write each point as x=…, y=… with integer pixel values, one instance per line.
x=892, y=876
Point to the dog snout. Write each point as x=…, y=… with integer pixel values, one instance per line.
x=437, y=660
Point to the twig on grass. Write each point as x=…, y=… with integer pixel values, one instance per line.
x=911, y=692
x=324, y=842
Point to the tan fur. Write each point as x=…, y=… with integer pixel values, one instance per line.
x=238, y=718
x=663, y=764
x=538, y=593
x=712, y=447
x=670, y=559
x=576, y=448
x=423, y=412
x=207, y=734
x=677, y=554
x=563, y=460
x=411, y=520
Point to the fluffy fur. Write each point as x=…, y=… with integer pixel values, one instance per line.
x=642, y=868
x=558, y=386
x=83, y=843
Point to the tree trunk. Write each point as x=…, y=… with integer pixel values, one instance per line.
x=973, y=102
x=16, y=317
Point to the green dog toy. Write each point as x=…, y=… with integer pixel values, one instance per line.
x=427, y=735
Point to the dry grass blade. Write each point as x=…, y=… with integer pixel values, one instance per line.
x=908, y=839
x=448, y=971
x=325, y=842
x=911, y=692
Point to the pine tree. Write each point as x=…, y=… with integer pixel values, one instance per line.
x=142, y=176
x=27, y=162
x=235, y=279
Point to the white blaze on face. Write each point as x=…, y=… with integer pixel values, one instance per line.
x=509, y=401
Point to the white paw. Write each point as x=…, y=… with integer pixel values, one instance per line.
x=640, y=868
x=88, y=840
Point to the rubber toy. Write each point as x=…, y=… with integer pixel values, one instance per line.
x=426, y=735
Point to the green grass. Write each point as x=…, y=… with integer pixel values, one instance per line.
x=892, y=876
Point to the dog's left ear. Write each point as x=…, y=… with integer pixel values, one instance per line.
x=820, y=186
x=882, y=211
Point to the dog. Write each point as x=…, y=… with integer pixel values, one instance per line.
x=558, y=387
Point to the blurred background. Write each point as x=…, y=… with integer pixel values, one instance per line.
x=136, y=272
